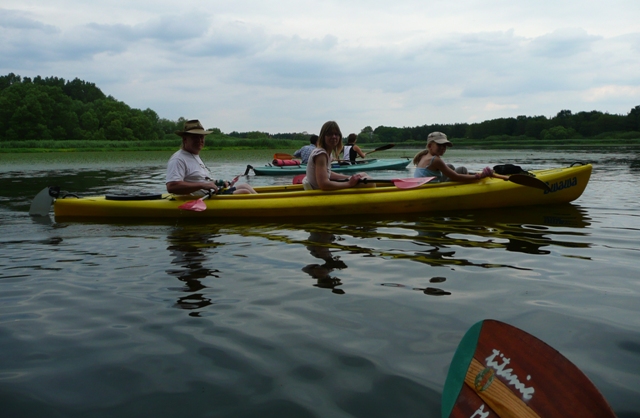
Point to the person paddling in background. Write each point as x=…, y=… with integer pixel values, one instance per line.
x=430, y=163
x=187, y=174
x=319, y=174
x=304, y=152
x=351, y=150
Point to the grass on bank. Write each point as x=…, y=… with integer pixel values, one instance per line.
x=212, y=142
x=224, y=142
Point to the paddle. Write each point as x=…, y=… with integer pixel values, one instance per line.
x=499, y=370
x=41, y=204
x=195, y=205
x=283, y=156
x=407, y=183
x=524, y=180
x=198, y=205
x=382, y=148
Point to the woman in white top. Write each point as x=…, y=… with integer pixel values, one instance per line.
x=187, y=174
x=351, y=150
x=319, y=174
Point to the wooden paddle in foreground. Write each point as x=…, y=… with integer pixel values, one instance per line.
x=499, y=370
x=407, y=183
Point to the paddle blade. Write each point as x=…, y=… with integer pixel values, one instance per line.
x=382, y=148
x=410, y=183
x=41, y=204
x=529, y=181
x=282, y=156
x=194, y=205
x=501, y=371
x=385, y=147
x=298, y=179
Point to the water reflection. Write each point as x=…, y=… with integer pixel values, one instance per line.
x=534, y=230
x=320, y=247
x=186, y=248
x=432, y=291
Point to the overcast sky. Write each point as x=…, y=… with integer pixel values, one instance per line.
x=291, y=65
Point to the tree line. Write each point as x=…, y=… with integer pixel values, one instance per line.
x=564, y=125
x=52, y=108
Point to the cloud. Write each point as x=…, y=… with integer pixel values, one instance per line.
x=18, y=20
x=563, y=43
x=283, y=66
x=601, y=93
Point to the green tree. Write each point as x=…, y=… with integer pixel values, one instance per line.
x=535, y=126
x=83, y=91
x=633, y=119
x=558, y=132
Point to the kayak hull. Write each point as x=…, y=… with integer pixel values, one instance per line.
x=567, y=184
x=361, y=165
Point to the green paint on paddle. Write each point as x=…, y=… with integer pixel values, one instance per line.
x=458, y=369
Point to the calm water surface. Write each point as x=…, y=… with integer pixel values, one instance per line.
x=353, y=317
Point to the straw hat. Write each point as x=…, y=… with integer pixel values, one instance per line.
x=193, y=127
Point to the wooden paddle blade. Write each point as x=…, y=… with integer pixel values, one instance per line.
x=41, y=204
x=501, y=371
x=529, y=181
x=194, y=205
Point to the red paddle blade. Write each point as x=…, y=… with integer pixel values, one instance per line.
x=194, y=205
x=410, y=183
x=298, y=179
x=501, y=371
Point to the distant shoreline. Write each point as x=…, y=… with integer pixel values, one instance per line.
x=459, y=143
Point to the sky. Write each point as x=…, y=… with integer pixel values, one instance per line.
x=291, y=65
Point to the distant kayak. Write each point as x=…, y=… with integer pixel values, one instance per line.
x=338, y=167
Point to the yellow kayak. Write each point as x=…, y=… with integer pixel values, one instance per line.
x=564, y=185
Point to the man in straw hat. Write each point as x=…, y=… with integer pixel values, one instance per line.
x=187, y=174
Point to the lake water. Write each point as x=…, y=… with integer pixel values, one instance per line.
x=353, y=317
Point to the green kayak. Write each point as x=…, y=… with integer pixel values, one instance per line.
x=341, y=167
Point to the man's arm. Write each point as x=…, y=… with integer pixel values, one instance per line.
x=186, y=187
